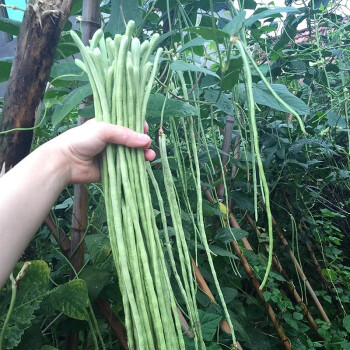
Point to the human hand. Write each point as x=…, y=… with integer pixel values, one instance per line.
x=79, y=147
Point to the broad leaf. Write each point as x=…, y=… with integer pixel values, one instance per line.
x=346, y=323
x=72, y=299
x=69, y=102
x=222, y=252
x=242, y=200
x=269, y=13
x=99, y=248
x=235, y=25
x=31, y=291
x=223, y=103
x=68, y=71
x=10, y=26
x=95, y=280
x=289, y=32
x=209, y=33
x=173, y=108
x=5, y=68
x=333, y=119
x=264, y=97
x=227, y=235
x=37, y=273
x=181, y=66
x=209, y=324
x=229, y=293
x=192, y=43
x=123, y=11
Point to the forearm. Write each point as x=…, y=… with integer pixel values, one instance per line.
x=27, y=193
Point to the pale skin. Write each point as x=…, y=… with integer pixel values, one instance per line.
x=29, y=190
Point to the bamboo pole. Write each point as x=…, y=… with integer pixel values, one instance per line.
x=298, y=267
x=233, y=222
x=289, y=283
x=90, y=23
x=113, y=322
x=220, y=188
x=59, y=235
x=224, y=326
x=307, y=244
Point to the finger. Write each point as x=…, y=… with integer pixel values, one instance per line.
x=145, y=130
x=120, y=135
x=149, y=154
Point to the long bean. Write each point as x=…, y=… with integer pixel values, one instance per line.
x=121, y=77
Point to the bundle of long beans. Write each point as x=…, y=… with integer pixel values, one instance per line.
x=121, y=78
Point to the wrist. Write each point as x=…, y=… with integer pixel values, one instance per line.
x=55, y=163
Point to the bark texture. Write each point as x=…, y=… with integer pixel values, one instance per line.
x=40, y=31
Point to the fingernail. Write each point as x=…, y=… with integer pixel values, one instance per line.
x=143, y=137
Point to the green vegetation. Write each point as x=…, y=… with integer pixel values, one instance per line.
x=248, y=111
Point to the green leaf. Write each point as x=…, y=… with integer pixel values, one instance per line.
x=329, y=273
x=213, y=346
x=298, y=316
x=87, y=112
x=5, y=68
x=68, y=71
x=32, y=290
x=249, y=4
x=10, y=26
x=76, y=7
x=72, y=299
x=95, y=279
x=227, y=235
x=269, y=13
x=99, y=248
x=235, y=25
x=242, y=200
x=210, y=209
x=192, y=43
x=290, y=320
x=223, y=103
x=48, y=347
x=208, y=33
x=333, y=119
x=229, y=294
x=181, y=66
x=289, y=32
x=173, y=108
x=38, y=273
x=209, y=324
x=267, y=295
x=69, y=102
x=222, y=252
x=123, y=11
x=66, y=47
x=346, y=323
x=264, y=97
x=331, y=214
